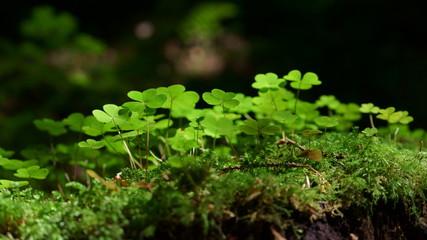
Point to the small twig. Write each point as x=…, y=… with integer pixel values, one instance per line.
x=288, y=140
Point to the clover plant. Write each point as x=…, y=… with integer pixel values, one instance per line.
x=221, y=98
x=326, y=122
x=370, y=108
x=258, y=127
x=306, y=82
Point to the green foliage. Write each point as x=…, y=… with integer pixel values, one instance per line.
x=258, y=127
x=369, y=108
x=326, y=122
x=188, y=185
x=218, y=127
x=268, y=82
x=178, y=100
x=306, y=82
x=219, y=97
x=92, y=144
x=32, y=172
x=54, y=128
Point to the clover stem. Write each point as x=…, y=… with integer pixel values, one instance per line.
x=168, y=150
x=296, y=101
x=231, y=145
x=147, y=148
x=96, y=161
x=139, y=147
x=272, y=99
x=371, y=120
x=395, y=135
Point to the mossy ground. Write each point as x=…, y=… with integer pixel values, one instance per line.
x=362, y=188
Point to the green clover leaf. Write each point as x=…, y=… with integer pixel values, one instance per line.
x=326, y=122
x=369, y=132
x=74, y=121
x=150, y=98
x=268, y=81
x=92, y=144
x=284, y=117
x=32, y=172
x=182, y=141
x=219, y=97
x=215, y=128
x=177, y=97
x=306, y=82
x=55, y=128
x=258, y=127
x=329, y=101
x=369, y=108
x=12, y=184
x=386, y=113
x=111, y=113
x=13, y=164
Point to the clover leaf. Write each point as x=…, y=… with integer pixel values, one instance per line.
x=110, y=114
x=6, y=153
x=326, y=122
x=74, y=121
x=215, y=128
x=92, y=144
x=182, y=141
x=150, y=98
x=245, y=103
x=258, y=127
x=32, y=172
x=12, y=184
x=13, y=164
x=306, y=82
x=55, y=128
x=369, y=108
x=94, y=128
x=385, y=114
x=349, y=111
x=369, y=132
x=284, y=117
x=177, y=97
x=268, y=81
x=404, y=118
x=329, y=101
x=219, y=97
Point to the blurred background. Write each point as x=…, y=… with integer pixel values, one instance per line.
x=60, y=57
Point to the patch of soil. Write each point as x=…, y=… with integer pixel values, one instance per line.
x=388, y=222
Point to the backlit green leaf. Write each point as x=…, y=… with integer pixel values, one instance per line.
x=55, y=128
x=32, y=172
x=268, y=81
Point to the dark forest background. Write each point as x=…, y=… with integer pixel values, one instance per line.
x=59, y=57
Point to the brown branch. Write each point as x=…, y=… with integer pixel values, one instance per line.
x=287, y=140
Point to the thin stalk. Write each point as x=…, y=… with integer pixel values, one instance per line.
x=168, y=150
x=296, y=101
x=371, y=119
x=231, y=145
x=147, y=148
x=125, y=146
x=96, y=161
x=139, y=147
x=272, y=99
